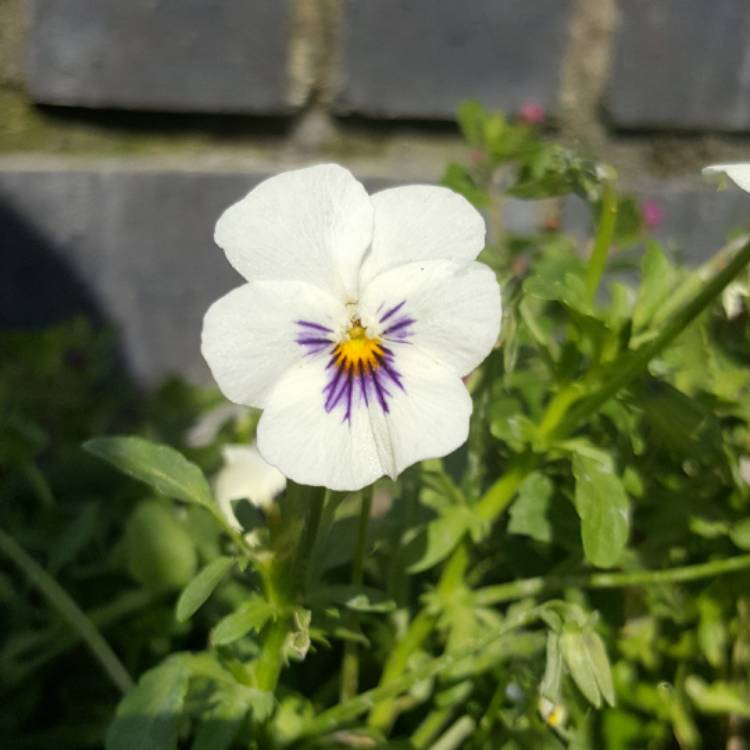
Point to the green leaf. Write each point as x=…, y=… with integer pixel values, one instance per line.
x=740, y=533
x=529, y=514
x=657, y=281
x=250, y=615
x=148, y=717
x=166, y=470
x=719, y=697
x=586, y=659
x=356, y=598
x=159, y=550
x=602, y=505
x=220, y=724
x=436, y=540
x=201, y=587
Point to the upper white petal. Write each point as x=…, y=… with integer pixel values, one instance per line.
x=739, y=173
x=245, y=475
x=249, y=335
x=312, y=224
x=419, y=222
x=455, y=306
x=428, y=419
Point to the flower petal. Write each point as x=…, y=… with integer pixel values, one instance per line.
x=739, y=173
x=250, y=335
x=427, y=419
x=312, y=224
x=245, y=475
x=420, y=222
x=453, y=308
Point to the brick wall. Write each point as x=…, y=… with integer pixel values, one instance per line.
x=125, y=127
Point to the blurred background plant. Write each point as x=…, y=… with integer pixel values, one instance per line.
x=575, y=576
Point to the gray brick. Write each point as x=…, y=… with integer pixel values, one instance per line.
x=161, y=55
x=682, y=64
x=422, y=58
x=697, y=221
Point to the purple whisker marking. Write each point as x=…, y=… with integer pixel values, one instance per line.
x=354, y=375
x=380, y=392
x=313, y=342
x=392, y=311
x=315, y=326
x=399, y=325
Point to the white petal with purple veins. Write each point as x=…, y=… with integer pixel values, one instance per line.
x=250, y=334
x=426, y=418
x=453, y=308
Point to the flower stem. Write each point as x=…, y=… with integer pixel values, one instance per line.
x=350, y=663
x=271, y=659
x=603, y=240
x=282, y=581
x=69, y=610
x=505, y=592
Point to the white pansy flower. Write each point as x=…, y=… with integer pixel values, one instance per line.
x=359, y=317
x=245, y=476
x=738, y=173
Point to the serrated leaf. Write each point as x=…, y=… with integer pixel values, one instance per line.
x=201, y=587
x=603, y=507
x=250, y=615
x=162, y=467
x=220, y=724
x=437, y=539
x=148, y=717
x=529, y=514
x=657, y=280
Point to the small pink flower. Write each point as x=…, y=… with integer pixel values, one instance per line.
x=652, y=214
x=531, y=113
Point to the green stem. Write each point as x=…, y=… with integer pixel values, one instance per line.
x=344, y=712
x=310, y=534
x=69, y=610
x=59, y=642
x=505, y=592
x=271, y=659
x=603, y=240
x=426, y=732
x=350, y=663
x=564, y=413
x=617, y=378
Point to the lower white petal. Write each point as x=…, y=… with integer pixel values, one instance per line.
x=453, y=308
x=364, y=437
x=252, y=335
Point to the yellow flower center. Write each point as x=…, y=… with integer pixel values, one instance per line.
x=358, y=351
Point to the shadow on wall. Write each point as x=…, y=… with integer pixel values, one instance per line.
x=37, y=287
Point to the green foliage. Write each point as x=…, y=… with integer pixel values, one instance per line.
x=574, y=576
x=194, y=595
x=158, y=465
